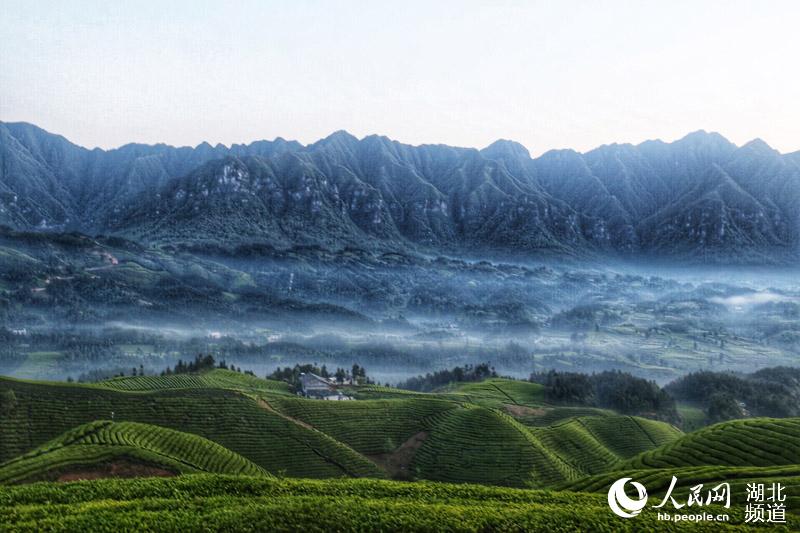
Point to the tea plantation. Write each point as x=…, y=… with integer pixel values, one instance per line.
x=749, y=442
x=474, y=450
x=102, y=443
x=593, y=444
x=455, y=435
x=214, y=379
x=370, y=426
x=41, y=412
x=225, y=503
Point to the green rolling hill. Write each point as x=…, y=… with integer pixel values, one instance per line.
x=214, y=379
x=493, y=392
x=757, y=450
x=463, y=434
x=480, y=445
x=125, y=449
x=548, y=416
x=40, y=412
x=749, y=442
x=592, y=444
x=371, y=427
x=242, y=429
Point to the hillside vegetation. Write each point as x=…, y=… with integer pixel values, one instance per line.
x=465, y=433
x=750, y=442
x=124, y=449
x=368, y=426
x=214, y=379
x=492, y=392
x=42, y=411
x=761, y=450
x=231, y=431
x=224, y=503
x=593, y=444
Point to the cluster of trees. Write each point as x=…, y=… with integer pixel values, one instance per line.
x=291, y=375
x=610, y=389
x=724, y=396
x=201, y=363
x=358, y=374
x=429, y=382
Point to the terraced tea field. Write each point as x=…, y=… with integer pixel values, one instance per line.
x=371, y=426
x=127, y=447
x=760, y=450
x=749, y=442
x=225, y=503
x=548, y=416
x=463, y=442
x=480, y=445
x=594, y=444
x=43, y=411
x=496, y=392
x=224, y=422
x=214, y=379
x=440, y=436
x=493, y=392
x=626, y=436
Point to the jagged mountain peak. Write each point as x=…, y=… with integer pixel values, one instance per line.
x=759, y=146
x=337, y=138
x=702, y=135
x=504, y=148
x=342, y=191
x=708, y=141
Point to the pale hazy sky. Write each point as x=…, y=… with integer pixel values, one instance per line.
x=548, y=74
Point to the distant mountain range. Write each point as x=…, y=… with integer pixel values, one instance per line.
x=700, y=197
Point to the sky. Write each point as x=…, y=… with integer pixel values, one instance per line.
x=555, y=74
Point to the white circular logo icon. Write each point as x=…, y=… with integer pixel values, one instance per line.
x=621, y=504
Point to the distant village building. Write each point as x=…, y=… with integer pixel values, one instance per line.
x=314, y=386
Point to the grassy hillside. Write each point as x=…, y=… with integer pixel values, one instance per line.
x=493, y=392
x=749, y=442
x=693, y=417
x=370, y=426
x=224, y=503
x=442, y=436
x=496, y=392
x=548, y=416
x=106, y=448
x=214, y=379
x=480, y=445
x=627, y=436
x=40, y=412
x=594, y=444
x=464, y=442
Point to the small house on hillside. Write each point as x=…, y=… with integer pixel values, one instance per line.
x=314, y=386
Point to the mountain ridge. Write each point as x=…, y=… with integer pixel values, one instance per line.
x=698, y=197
